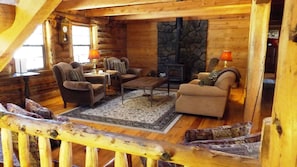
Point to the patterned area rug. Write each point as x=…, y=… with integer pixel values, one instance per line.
x=135, y=112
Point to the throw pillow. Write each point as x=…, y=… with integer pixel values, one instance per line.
x=35, y=107
x=236, y=140
x=33, y=140
x=76, y=75
x=120, y=67
x=220, y=132
x=18, y=110
x=211, y=79
x=244, y=149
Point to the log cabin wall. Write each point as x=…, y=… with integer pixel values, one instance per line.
x=230, y=33
x=142, y=45
x=112, y=42
x=112, y=39
x=138, y=41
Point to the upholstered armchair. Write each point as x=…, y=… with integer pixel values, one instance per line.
x=73, y=86
x=122, y=65
x=208, y=100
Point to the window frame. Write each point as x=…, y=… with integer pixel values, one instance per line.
x=42, y=46
x=81, y=45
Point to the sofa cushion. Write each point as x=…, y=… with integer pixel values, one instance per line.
x=221, y=132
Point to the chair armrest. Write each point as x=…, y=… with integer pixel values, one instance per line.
x=136, y=71
x=198, y=90
x=77, y=85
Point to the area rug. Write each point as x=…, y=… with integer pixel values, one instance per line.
x=135, y=112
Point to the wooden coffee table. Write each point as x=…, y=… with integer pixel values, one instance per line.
x=149, y=83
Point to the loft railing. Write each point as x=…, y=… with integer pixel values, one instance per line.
x=93, y=139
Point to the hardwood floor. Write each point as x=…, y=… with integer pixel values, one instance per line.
x=233, y=115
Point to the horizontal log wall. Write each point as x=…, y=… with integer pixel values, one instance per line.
x=112, y=39
x=41, y=87
x=112, y=42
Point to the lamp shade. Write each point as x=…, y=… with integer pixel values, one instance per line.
x=226, y=55
x=94, y=54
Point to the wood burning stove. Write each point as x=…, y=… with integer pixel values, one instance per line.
x=175, y=72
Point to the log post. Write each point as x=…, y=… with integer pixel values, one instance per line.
x=7, y=148
x=283, y=135
x=23, y=142
x=260, y=13
x=65, y=156
x=45, y=152
x=92, y=157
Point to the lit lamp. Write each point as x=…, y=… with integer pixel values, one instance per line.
x=226, y=56
x=94, y=56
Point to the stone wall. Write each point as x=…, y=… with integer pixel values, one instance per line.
x=192, y=46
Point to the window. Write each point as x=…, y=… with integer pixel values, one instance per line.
x=81, y=43
x=31, y=54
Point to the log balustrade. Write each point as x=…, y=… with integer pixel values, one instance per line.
x=94, y=140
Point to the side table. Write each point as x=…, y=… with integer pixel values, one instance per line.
x=26, y=77
x=96, y=77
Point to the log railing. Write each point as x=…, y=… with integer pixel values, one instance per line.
x=93, y=139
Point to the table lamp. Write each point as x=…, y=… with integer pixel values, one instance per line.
x=226, y=56
x=94, y=56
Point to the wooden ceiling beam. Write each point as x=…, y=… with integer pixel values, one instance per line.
x=7, y=16
x=203, y=12
x=179, y=6
x=27, y=17
x=91, y=4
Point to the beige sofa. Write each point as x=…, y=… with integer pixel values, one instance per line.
x=193, y=98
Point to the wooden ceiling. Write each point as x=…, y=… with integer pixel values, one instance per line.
x=155, y=9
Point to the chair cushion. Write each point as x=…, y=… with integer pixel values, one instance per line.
x=76, y=75
x=79, y=85
x=98, y=88
x=128, y=76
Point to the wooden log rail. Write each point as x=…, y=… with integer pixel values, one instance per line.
x=93, y=139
